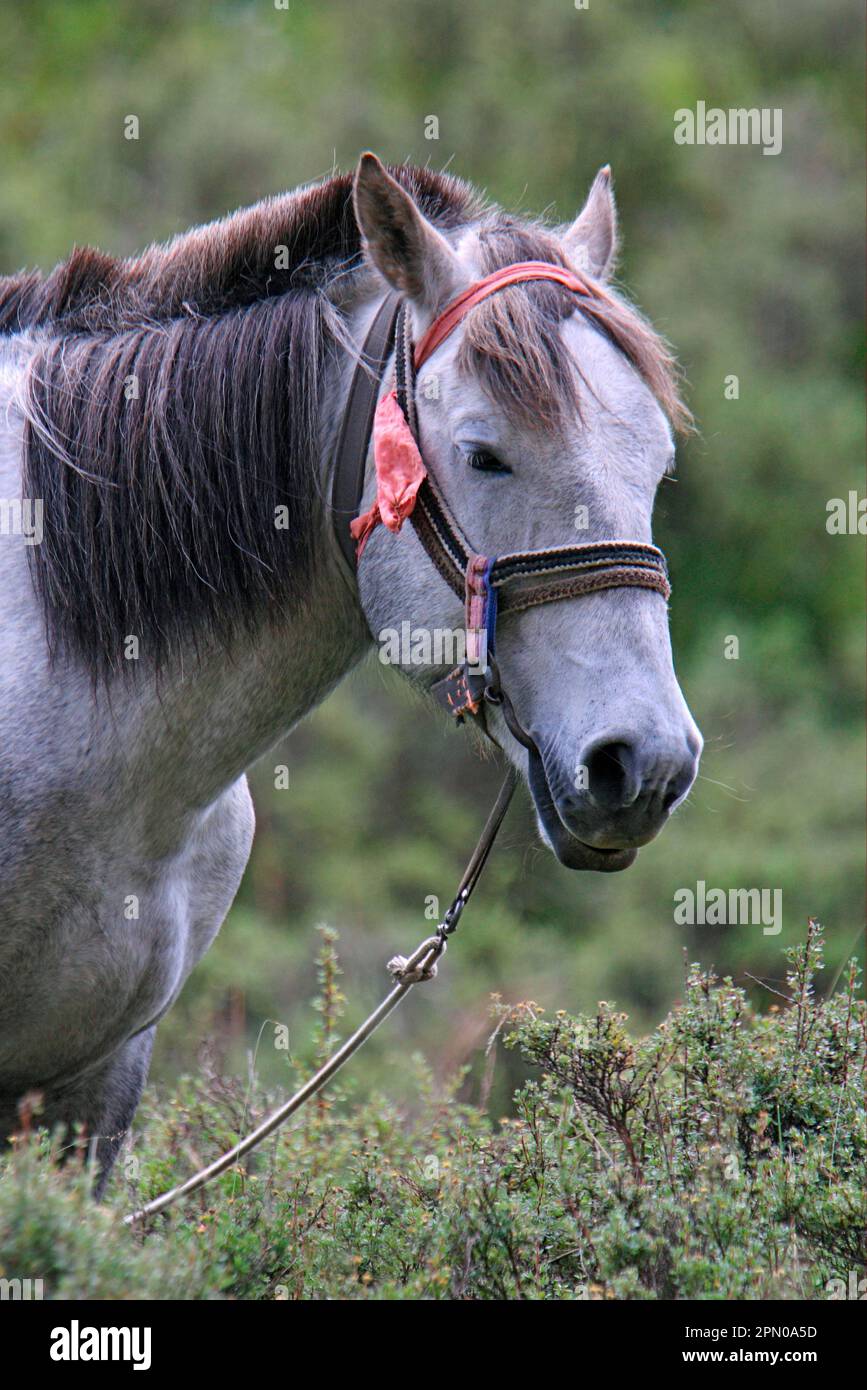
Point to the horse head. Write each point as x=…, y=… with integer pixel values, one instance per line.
x=541, y=418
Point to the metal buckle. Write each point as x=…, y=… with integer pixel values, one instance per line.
x=453, y=915
x=492, y=692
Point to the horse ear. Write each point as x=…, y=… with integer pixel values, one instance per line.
x=591, y=241
x=412, y=255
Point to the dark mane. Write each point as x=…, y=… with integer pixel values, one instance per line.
x=173, y=405
x=224, y=265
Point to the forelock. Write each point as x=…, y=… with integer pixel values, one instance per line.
x=512, y=343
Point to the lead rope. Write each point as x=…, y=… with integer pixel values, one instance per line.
x=406, y=971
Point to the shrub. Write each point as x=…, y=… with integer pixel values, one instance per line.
x=721, y=1157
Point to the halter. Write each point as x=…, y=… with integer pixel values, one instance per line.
x=489, y=585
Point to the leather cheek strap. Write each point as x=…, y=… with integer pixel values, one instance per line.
x=353, y=440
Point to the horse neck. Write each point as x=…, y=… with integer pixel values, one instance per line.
x=207, y=724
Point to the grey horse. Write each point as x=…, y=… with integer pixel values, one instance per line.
x=173, y=600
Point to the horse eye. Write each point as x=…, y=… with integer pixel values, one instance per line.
x=486, y=463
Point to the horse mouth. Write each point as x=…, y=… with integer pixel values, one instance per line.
x=604, y=861
x=568, y=849
x=573, y=853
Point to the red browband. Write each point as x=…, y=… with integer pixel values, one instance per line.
x=516, y=274
x=400, y=470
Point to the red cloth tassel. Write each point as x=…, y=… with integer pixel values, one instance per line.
x=399, y=473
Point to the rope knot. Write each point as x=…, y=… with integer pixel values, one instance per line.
x=421, y=965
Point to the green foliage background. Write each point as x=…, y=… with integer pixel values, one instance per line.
x=751, y=265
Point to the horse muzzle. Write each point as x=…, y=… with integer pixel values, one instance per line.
x=622, y=798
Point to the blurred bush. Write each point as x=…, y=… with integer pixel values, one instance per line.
x=722, y=1157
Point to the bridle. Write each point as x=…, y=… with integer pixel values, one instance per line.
x=489, y=586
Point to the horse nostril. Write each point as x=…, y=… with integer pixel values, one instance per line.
x=611, y=779
x=680, y=783
x=648, y=775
